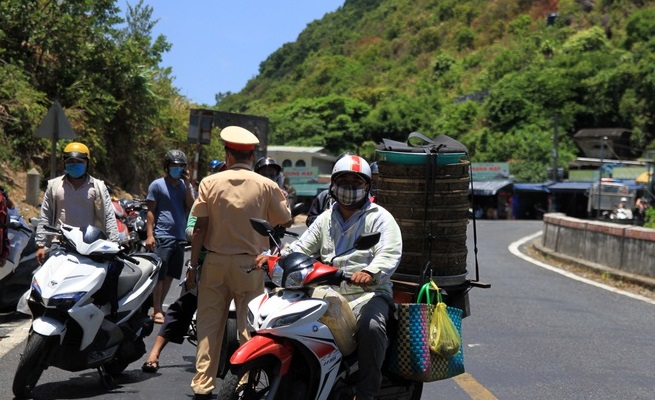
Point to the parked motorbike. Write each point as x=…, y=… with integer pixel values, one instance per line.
x=136, y=215
x=294, y=352
x=16, y=275
x=123, y=231
x=89, y=308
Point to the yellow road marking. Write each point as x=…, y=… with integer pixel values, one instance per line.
x=473, y=387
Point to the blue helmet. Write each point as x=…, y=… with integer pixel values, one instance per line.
x=216, y=166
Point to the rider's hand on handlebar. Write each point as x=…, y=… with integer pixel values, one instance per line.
x=361, y=278
x=261, y=261
x=40, y=255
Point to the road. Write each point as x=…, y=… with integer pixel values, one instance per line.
x=535, y=334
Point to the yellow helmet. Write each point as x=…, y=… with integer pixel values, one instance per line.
x=76, y=150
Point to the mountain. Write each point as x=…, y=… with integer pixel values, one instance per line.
x=495, y=75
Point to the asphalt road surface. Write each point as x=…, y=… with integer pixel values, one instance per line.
x=535, y=334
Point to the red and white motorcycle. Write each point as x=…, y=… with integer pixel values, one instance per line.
x=302, y=345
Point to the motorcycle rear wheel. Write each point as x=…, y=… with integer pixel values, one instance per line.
x=259, y=374
x=32, y=363
x=230, y=345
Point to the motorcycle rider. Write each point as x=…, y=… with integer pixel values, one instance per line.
x=268, y=167
x=216, y=165
x=75, y=190
x=369, y=291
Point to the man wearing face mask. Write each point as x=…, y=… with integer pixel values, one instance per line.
x=169, y=200
x=369, y=291
x=75, y=198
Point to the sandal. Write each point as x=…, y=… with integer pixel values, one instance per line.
x=150, y=366
x=158, y=318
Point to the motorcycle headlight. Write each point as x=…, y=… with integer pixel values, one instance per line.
x=36, y=287
x=65, y=301
x=276, y=275
x=295, y=278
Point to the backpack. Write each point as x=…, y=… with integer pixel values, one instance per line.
x=4, y=223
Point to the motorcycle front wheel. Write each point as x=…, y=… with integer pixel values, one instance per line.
x=251, y=381
x=32, y=363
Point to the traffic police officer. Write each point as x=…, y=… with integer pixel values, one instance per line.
x=225, y=204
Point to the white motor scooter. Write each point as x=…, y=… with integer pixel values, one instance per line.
x=89, y=308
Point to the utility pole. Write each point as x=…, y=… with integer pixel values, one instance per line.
x=555, y=148
x=600, y=173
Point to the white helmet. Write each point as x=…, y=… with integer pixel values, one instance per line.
x=352, y=163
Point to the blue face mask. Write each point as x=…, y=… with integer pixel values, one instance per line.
x=75, y=170
x=175, y=172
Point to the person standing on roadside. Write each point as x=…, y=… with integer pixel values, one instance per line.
x=179, y=314
x=75, y=198
x=225, y=204
x=169, y=199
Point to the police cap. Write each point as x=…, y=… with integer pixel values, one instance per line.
x=238, y=138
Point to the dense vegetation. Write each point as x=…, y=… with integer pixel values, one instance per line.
x=490, y=73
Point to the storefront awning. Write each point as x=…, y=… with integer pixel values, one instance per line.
x=530, y=187
x=489, y=188
x=309, y=189
x=570, y=186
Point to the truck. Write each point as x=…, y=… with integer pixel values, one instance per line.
x=611, y=194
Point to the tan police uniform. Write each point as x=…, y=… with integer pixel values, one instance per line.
x=229, y=200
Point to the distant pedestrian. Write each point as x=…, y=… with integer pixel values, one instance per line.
x=169, y=200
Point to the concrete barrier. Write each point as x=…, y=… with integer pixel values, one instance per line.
x=623, y=247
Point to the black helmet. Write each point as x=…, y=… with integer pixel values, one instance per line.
x=267, y=161
x=175, y=157
x=297, y=264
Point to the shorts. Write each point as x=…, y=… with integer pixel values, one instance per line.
x=171, y=252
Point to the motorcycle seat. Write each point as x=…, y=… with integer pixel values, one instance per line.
x=133, y=276
x=129, y=279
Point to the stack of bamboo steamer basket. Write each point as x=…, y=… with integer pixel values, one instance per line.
x=429, y=198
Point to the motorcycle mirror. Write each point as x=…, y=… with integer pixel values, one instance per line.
x=297, y=209
x=363, y=242
x=367, y=240
x=261, y=226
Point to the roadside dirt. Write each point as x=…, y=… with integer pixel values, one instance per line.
x=15, y=184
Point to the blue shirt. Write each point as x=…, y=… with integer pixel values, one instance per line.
x=170, y=214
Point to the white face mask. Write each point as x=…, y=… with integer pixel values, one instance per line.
x=348, y=195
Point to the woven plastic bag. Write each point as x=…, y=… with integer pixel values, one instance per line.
x=444, y=337
x=410, y=356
